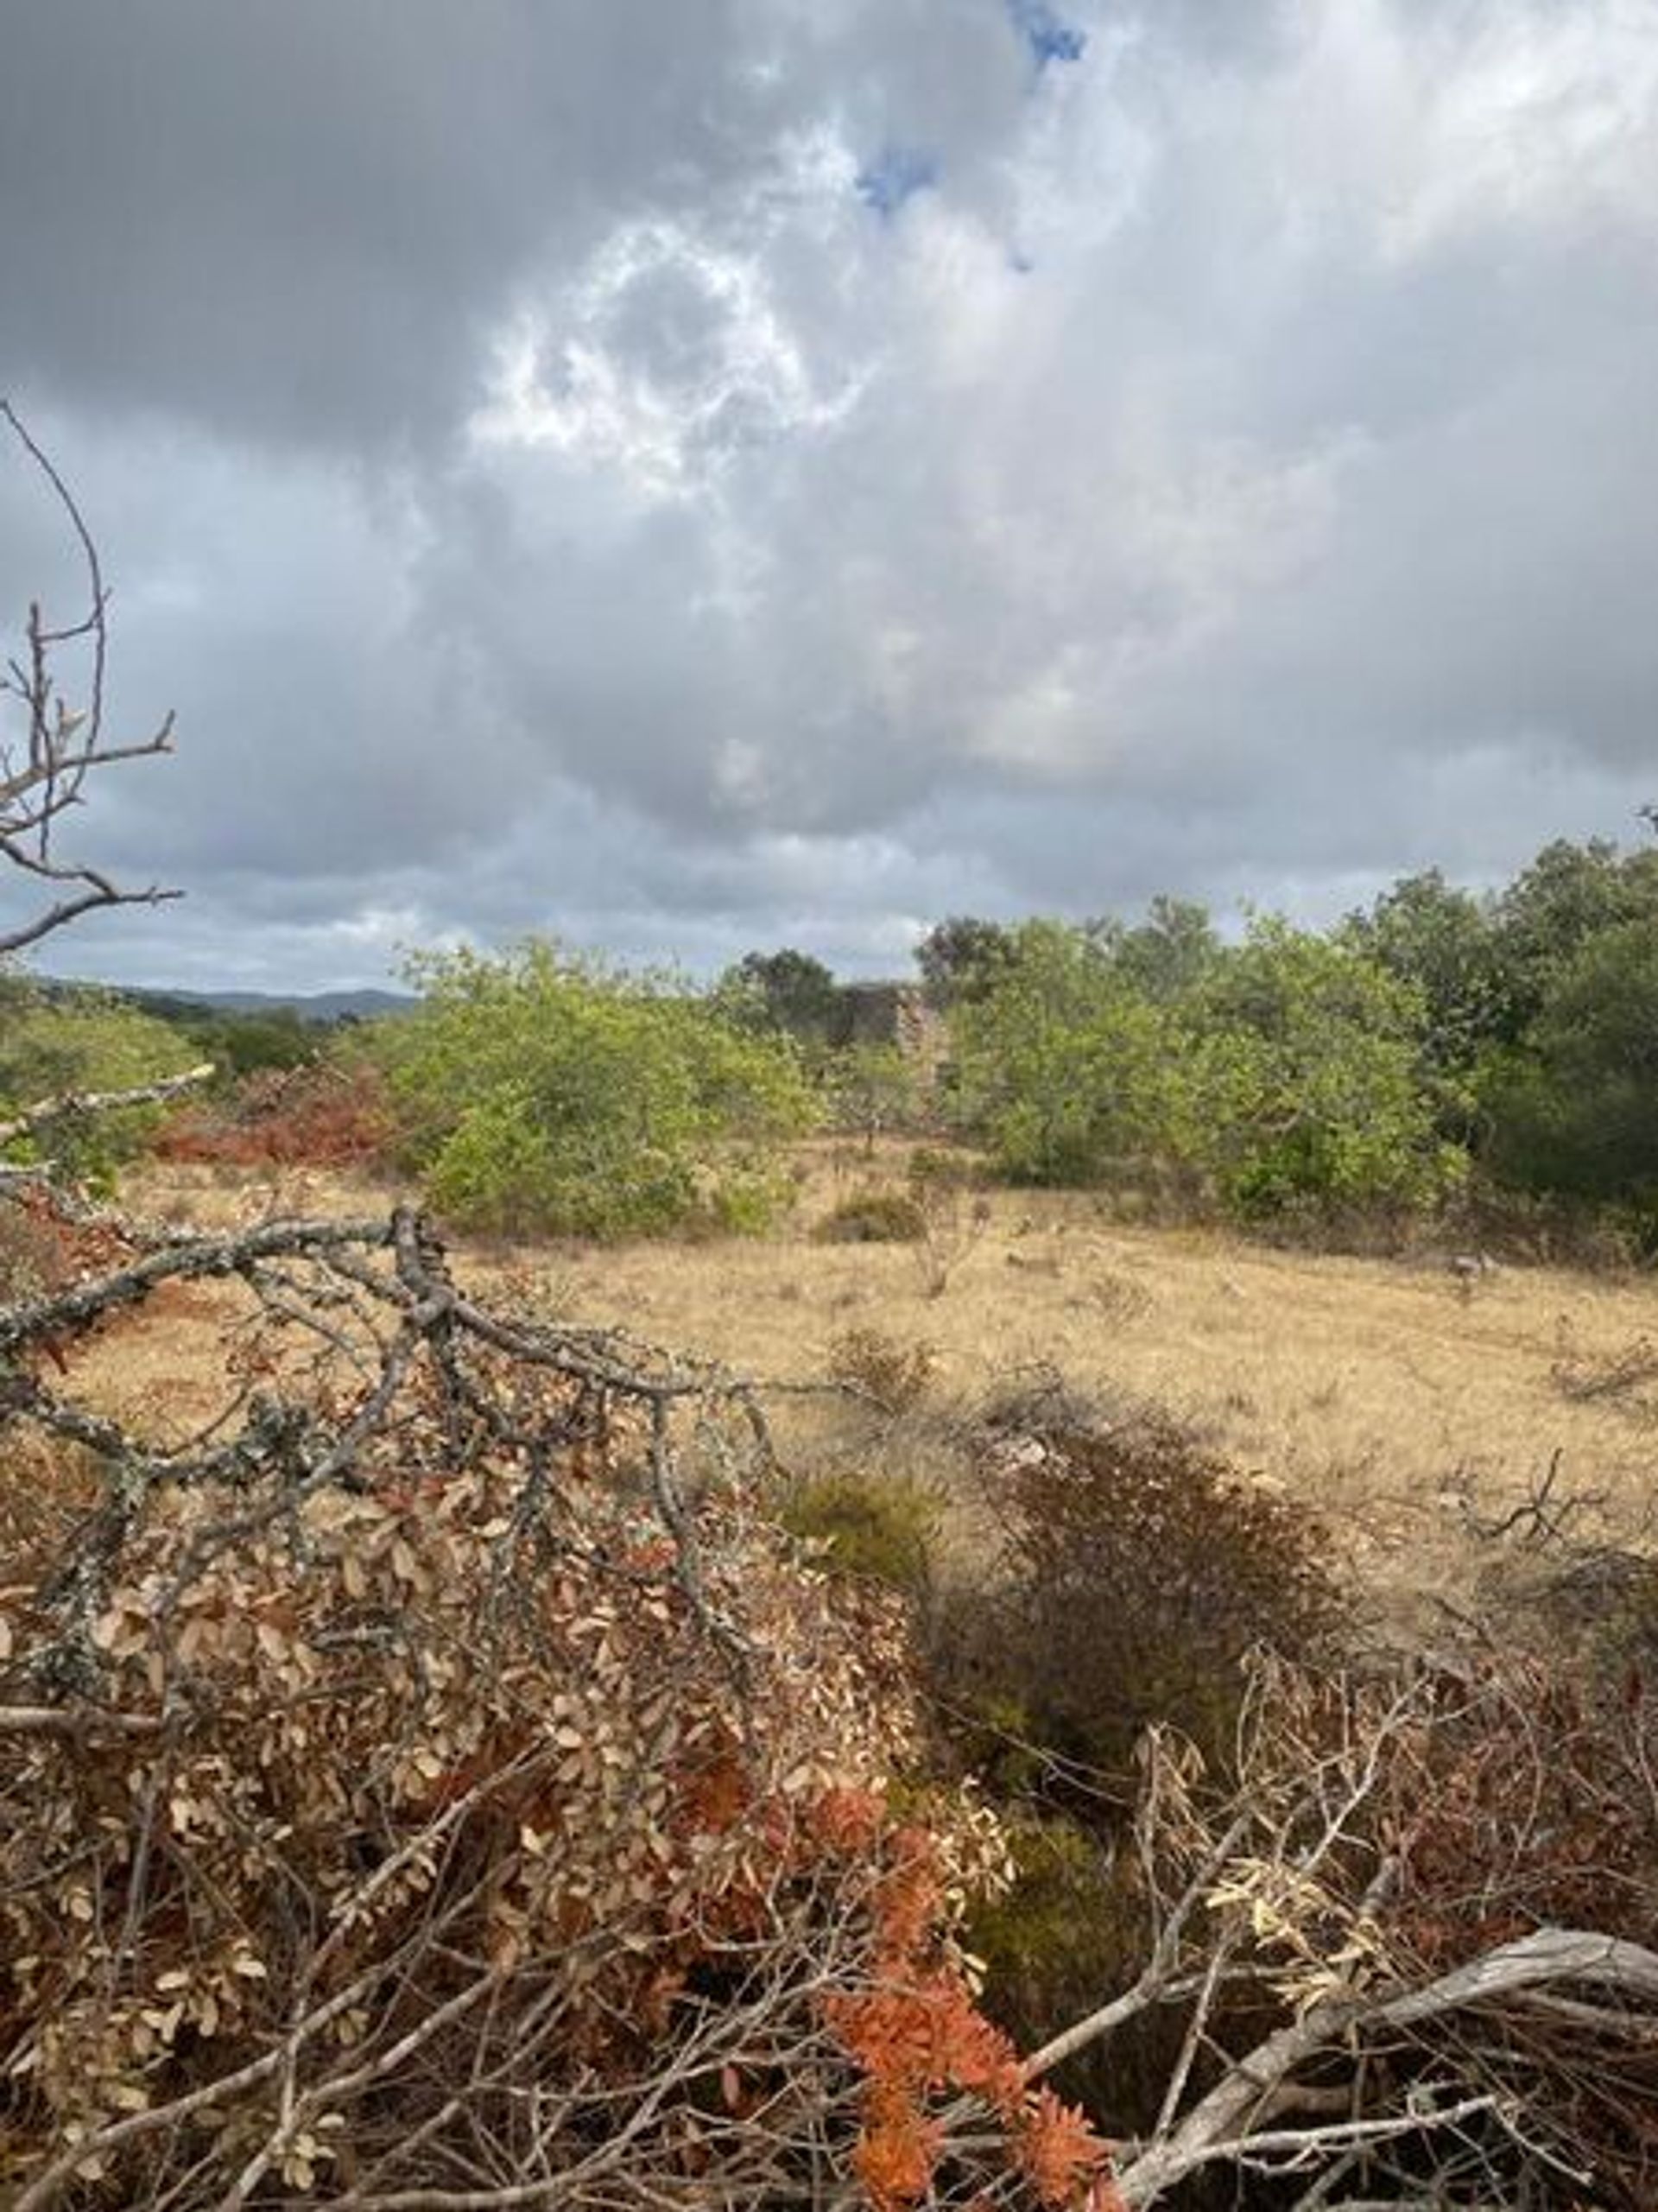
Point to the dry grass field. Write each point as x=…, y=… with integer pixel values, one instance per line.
x=1400, y=1403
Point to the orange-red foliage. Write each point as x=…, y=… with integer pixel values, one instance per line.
x=917, y=2034
x=320, y=1117
x=44, y=1245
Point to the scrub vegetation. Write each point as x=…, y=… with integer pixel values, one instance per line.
x=614, y=1593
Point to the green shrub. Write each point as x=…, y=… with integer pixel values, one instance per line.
x=1074, y=1926
x=80, y=1041
x=1061, y=1068
x=873, y=1217
x=545, y=1092
x=1286, y=1077
x=1573, y=1112
x=1313, y=1093
x=241, y=1043
x=878, y=1527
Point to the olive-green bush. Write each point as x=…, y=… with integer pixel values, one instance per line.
x=74, y=1042
x=543, y=1091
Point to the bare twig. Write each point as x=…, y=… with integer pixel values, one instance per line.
x=62, y=745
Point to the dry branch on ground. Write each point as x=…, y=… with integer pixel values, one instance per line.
x=440, y=1783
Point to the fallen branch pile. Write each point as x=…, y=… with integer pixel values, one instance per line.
x=437, y=1784
x=1436, y=1896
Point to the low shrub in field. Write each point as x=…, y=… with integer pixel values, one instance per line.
x=893, y=1376
x=880, y=1528
x=1137, y=1573
x=874, y=1217
x=939, y=1167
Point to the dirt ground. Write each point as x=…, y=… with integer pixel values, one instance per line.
x=1403, y=1403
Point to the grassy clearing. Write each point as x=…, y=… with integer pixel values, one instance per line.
x=1381, y=1392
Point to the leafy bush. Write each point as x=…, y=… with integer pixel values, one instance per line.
x=76, y=1042
x=1062, y=1067
x=240, y=1042
x=874, y=1216
x=1137, y=1573
x=541, y=1092
x=880, y=1528
x=1573, y=1111
x=1286, y=1075
x=1315, y=1096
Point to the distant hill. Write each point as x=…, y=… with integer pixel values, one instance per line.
x=314, y=1006
x=320, y=1006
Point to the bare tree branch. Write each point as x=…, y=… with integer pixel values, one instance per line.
x=62, y=743
x=69, y=1103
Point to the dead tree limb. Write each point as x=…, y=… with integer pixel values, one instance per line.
x=1383, y=1840
x=43, y=775
x=70, y=1103
x=1227, y=2124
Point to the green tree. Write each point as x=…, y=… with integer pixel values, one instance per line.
x=1568, y=894
x=1315, y=1095
x=542, y=1091
x=1065, y=1070
x=1576, y=1109
x=1168, y=953
x=1443, y=943
x=789, y=991
x=963, y=959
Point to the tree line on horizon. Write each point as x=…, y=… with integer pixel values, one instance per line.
x=1439, y=1044
x=1438, y=1036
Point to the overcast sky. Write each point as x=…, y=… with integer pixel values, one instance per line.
x=690, y=475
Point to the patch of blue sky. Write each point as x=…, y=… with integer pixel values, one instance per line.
x=896, y=175
x=1049, y=37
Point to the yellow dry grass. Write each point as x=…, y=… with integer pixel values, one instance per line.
x=1375, y=1390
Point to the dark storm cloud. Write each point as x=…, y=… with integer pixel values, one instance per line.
x=298, y=218
x=693, y=477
